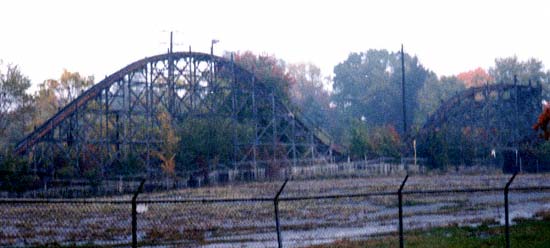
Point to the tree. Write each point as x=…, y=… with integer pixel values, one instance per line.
x=55, y=94
x=385, y=141
x=359, y=146
x=434, y=92
x=543, y=120
x=205, y=142
x=308, y=94
x=16, y=175
x=435, y=149
x=51, y=96
x=70, y=85
x=382, y=141
x=505, y=69
x=368, y=86
x=475, y=78
x=15, y=104
x=169, y=146
x=46, y=104
x=269, y=70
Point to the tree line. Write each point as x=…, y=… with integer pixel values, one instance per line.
x=360, y=106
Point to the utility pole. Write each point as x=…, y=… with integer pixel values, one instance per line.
x=516, y=110
x=171, y=84
x=171, y=42
x=403, y=90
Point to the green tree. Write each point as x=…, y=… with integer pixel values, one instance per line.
x=308, y=93
x=381, y=141
x=435, y=149
x=16, y=175
x=15, y=104
x=434, y=92
x=368, y=86
x=359, y=146
x=204, y=142
x=505, y=69
x=385, y=141
x=530, y=70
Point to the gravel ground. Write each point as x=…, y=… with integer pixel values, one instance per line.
x=252, y=224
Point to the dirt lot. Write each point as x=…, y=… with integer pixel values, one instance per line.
x=252, y=224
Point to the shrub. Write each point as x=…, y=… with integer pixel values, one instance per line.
x=16, y=176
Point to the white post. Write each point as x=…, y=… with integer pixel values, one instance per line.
x=414, y=147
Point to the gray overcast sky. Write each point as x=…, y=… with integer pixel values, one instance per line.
x=100, y=37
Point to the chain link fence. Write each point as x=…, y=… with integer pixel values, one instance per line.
x=295, y=214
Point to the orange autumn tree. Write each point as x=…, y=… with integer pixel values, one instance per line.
x=474, y=78
x=270, y=70
x=168, y=149
x=543, y=120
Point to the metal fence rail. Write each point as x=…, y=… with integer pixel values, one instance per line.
x=228, y=222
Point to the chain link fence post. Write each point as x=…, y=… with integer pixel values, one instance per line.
x=134, y=213
x=276, y=203
x=506, y=210
x=400, y=198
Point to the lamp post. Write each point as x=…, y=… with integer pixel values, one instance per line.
x=214, y=41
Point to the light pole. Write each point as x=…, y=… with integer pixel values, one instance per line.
x=214, y=41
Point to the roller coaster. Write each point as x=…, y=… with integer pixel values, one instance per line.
x=495, y=116
x=119, y=117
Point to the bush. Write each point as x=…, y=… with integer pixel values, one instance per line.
x=16, y=176
x=435, y=149
x=380, y=141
